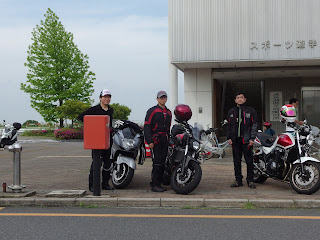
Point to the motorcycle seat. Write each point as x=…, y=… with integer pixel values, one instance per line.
x=266, y=139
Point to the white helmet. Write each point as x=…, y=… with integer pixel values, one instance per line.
x=288, y=113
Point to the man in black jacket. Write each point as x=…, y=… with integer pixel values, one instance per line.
x=101, y=109
x=241, y=132
x=156, y=132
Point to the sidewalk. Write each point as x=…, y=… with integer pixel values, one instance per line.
x=54, y=165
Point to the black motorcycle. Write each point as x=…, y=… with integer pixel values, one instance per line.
x=182, y=168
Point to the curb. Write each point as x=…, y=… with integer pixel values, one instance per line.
x=158, y=202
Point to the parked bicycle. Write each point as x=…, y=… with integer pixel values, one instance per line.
x=210, y=144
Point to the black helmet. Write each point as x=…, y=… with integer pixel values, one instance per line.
x=182, y=112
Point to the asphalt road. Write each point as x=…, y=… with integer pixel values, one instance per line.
x=137, y=223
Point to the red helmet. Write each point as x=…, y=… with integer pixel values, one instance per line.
x=182, y=112
x=267, y=124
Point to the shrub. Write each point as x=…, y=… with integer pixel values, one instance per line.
x=69, y=133
x=40, y=133
x=31, y=122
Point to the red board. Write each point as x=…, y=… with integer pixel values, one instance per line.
x=96, y=133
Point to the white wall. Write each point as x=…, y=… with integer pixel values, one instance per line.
x=223, y=30
x=198, y=93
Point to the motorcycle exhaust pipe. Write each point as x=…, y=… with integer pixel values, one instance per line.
x=288, y=172
x=284, y=170
x=263, y=173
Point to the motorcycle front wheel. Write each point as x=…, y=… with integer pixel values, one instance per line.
x=122, y=175
x=307, y=181
x=186, y=183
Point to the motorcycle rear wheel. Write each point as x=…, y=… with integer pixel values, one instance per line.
x=122, y=175
x=259, y=179
x=186, y=184
x=308, y=183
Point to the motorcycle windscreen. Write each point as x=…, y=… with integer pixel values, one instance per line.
x=128, y=133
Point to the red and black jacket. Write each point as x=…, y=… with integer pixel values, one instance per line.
x=248, y=126
x=157, y=123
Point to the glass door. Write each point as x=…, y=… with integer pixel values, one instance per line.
x=310, y=106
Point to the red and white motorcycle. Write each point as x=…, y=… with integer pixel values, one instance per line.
x=287, y=158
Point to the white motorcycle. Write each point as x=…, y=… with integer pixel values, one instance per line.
x=128, y=145
x=9, y=134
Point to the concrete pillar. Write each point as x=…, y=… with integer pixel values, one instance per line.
x=173, y=91
x=173, y=72
x=198, y=95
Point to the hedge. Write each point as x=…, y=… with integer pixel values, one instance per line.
x=42, y=133
x=69, y=133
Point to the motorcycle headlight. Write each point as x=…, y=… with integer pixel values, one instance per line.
x=310, y=139
x=196, y=145
x=128, y=144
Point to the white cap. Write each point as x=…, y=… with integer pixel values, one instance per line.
x=105, y=92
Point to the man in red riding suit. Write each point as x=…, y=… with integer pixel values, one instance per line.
x=156, y=132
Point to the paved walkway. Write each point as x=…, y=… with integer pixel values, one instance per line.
x=55, y=165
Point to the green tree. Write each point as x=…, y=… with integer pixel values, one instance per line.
x=120, y=111
x=71, y=109
x=58, y=71
x=30, y=122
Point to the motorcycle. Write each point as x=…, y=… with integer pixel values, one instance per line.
x=182, y=169
x=9, y=134
x=286, y=158
x=128, y=145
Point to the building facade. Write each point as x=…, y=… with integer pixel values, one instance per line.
x=269, y=49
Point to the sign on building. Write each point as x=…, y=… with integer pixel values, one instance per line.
x=275, y=105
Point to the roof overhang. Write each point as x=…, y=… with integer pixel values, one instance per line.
x=242, y=70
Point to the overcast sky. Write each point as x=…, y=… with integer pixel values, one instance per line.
x=126, y=41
